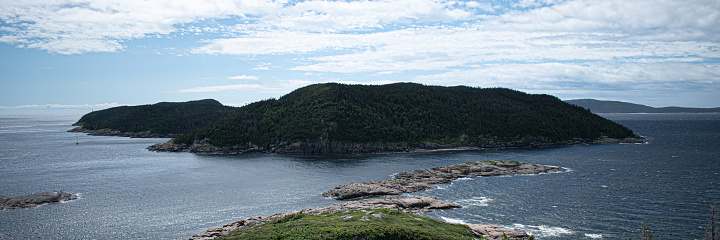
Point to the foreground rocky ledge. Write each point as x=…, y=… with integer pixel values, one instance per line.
x=33, y=200
x=418, y=180
x=412, y=204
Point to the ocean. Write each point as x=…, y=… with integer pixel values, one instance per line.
x=668, y=183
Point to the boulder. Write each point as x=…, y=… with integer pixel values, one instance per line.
x=33, y=200
x=497, y=232
x=356, y=190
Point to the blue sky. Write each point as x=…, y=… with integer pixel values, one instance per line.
x=80, y=55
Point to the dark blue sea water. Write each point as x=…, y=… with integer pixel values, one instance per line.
x=128, y=192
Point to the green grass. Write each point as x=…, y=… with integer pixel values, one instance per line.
x=355, y=224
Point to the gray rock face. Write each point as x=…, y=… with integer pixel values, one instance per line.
x=418, y=180
x=496, y=232
x=33, y=200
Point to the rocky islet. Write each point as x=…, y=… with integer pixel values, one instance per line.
x=418, y=180
x=32, y=200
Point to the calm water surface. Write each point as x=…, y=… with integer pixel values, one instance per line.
x=128, y=192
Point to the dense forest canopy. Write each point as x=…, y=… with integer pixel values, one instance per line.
x=160, y=118
x=406, y=114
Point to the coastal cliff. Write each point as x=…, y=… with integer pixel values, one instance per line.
x=305, y=148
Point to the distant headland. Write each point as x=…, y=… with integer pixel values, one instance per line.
x=600, y=106
x=336, y=118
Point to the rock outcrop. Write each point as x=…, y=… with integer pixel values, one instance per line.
x=110, y=132
x=33, y=200
x=330, y=147
x=495, y=232
x=418, y=180
x=411, y=204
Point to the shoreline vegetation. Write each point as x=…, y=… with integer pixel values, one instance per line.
x=370, y=204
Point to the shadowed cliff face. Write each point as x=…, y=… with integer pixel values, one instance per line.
x=331, y=148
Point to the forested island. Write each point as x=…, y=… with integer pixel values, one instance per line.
x=337, y=118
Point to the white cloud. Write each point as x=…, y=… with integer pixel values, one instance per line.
x=336, y=16
x=79, y=26
x=282, y=42
x=276, y=86
x=685, y=20
x=553, y=77
x=554, y=45
x=243, y=77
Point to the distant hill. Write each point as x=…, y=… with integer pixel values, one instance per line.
x=165, y=118
x=599, y=106
x=338, y=118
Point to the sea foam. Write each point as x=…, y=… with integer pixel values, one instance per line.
x=475, y=201
x=453, y=220
x=543, y=231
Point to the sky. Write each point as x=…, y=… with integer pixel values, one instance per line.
x=80, y=55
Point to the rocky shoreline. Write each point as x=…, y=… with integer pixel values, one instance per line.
x=406, y=182
x=110, y=132
x=33, y=200
x=332, y=148
x=418, y=180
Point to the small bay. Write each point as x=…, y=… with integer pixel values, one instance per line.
x=128, y=192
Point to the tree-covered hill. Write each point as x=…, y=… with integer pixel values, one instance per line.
x=165, y=118
x=338, y=118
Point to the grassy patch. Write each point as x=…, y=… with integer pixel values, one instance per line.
x=356, y=224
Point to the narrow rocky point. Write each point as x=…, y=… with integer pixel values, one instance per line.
x=418, y=180
x=110, y=132
x=33, y=200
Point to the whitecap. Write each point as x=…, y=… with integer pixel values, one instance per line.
x=543, y=231
x=593, y=235
x=76, y=196
x=453, y=220
x=475, y=201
